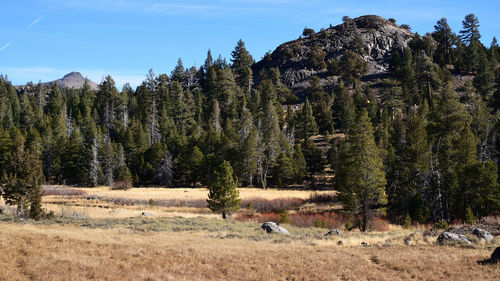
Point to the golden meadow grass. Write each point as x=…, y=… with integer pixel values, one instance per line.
x=69, y=252
x=114, y=242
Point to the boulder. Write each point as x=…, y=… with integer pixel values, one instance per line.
x=364, y=244
x=482, y=234
x=495, y=256
x=340, y=243
x=449, y=237
x=272, y=227
x=333, y=232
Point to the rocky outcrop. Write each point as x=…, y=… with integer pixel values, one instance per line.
x=272, y=227
x=452, y=238
x=492, y=229
x=378, y=35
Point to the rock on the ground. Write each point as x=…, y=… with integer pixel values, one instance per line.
x=364, y=244
x=495, y=256
x=449, y=237
x=340, y=243
x=333, y=232
x=272, y=227
x=147, y=214
x=482, y=234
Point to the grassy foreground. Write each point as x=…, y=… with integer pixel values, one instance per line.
x=203, y=248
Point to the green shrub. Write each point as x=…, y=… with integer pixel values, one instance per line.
x=250, y=205
x=469, y=217
x=284, y=216
x=320, y=223
x=349, y=226
x=151, y=202
x=441, y=224
x=123, y=179
x=407, y=221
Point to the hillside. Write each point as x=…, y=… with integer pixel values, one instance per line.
x=379, y=36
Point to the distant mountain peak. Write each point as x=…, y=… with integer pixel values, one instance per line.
x=74, y=74
x=73, y=80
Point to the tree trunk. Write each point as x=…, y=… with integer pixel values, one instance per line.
x=364, y=220
x=224, y=215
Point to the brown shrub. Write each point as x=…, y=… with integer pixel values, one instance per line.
x=121, y=185
x=493, y=220
x=327, y=219
x=65, y=191
x=322, y=198
x=380, y=224
x=272, y=205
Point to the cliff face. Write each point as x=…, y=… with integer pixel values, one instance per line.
x=379, y=38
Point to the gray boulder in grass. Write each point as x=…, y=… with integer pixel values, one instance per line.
x=449, y=237
x=333, y=232
x=482, y=234
x=272, y=227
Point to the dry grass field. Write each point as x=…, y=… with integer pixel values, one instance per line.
x=57, y=252
x=193, y=193
x=169, y=202
x=101, y=234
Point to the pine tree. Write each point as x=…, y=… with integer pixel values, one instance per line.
x=361, y=178
x=269, y=142
x=283, y=172
x=5, y=147
x=300, y=165
x=223, y=193
x=470, y=31
x=94, y=163
x=165, y=172
x=305, y=123
x=23, y=185
x=106, y=103
x=344, y=105
x=445, y=39
x=195, y=163
x=314, y=158
x=353, y=67
x=247, y=166
x=242, y=60
x=426, y=74
x=484, y=81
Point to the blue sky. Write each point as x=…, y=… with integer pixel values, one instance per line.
x=45, y=39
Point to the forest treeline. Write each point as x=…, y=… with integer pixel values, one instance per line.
x=414, y=145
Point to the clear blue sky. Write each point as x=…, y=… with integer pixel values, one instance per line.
x=45, y=39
